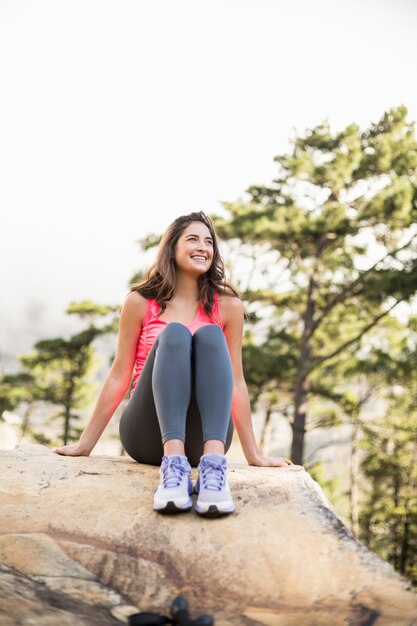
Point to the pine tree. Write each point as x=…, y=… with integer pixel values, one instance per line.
x=388, y=517
x=58, y=368
x=338, y=226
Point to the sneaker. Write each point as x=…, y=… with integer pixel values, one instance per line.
x=175, y=486
x=214, y=497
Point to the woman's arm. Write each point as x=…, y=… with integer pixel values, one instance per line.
x=232, y=313
x=118, y=379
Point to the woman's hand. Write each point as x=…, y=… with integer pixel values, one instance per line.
x=269, y=461
x=73, y=449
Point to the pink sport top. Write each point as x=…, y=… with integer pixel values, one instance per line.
x=152, y=325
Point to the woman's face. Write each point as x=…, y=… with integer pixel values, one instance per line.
x=194, y=249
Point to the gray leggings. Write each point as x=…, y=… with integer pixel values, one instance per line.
x=184, y=392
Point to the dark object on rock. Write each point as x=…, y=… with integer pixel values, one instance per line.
x=179, y=615
x=148, y=619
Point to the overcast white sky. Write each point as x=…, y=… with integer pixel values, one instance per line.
x=117, y=116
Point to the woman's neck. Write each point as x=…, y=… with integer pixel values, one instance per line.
x=186, y=288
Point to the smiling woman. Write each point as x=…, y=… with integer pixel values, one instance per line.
x=196, y=241
x=181, y=330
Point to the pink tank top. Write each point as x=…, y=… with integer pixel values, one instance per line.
x=152, y=326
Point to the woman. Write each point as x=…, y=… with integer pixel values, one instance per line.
x=182, y=330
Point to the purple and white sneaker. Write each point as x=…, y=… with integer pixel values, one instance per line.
x=175, y=486
x=214, y=497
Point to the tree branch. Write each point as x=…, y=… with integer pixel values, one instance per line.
x=375, y=321
x=349, y=288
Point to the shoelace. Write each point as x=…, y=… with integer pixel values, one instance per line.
x=213, y=475
x=172, y=472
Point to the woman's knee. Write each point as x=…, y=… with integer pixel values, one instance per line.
x=209, y=337
x=174, y=336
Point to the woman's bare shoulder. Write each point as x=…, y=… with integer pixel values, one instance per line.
x=134, y=305
x=230, y=307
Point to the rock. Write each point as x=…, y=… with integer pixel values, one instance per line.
x=81, y=545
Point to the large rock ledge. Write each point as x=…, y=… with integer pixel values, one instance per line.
x=80, y=545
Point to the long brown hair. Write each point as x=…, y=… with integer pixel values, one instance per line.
x=159, y=282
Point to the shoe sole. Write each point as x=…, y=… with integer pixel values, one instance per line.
x=213, y=511
x=171, y=508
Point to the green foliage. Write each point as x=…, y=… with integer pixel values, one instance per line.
x=389, y=512
x=137, y=277
x=41, y=438
x=330, y=486
x=14, y=389
x=388, y=518
x=339, y=218
x=55, y=373
x=90, y=310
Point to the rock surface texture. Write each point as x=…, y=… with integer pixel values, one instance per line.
x=80, y=545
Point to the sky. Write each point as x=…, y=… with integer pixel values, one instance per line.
x=116, y=117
